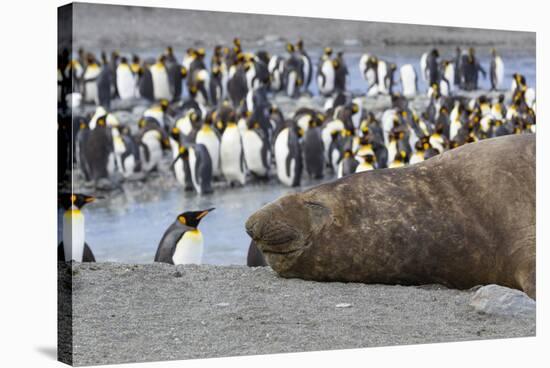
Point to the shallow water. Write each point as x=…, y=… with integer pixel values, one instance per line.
x=127, y=225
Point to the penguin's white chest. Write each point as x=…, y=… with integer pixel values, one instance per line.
x=416, y=158
x=364, y=166
x=281, y=154
x=333, y=126
x=73, y=235
x=291, y=84
x=90, y=87
x=499, y=72
x=156, y=113
x=193, y=168
x=161, y=85
x=231, y=155
x=126, y=82
x=328, y=71
x=184, y=125
x=382, y=72
x=252, y=146
x=189, y=248
x=152, y=140
x=207, y=137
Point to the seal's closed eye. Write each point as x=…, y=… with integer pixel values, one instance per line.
x=319, y=213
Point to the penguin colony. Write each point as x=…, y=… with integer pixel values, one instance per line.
x=217, y=124
x=226, y=129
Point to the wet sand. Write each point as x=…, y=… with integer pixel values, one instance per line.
x=127, y=313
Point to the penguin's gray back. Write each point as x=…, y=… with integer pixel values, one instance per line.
x=97, y=149
x=203, y=168
x=167, y=245
x=314, y=152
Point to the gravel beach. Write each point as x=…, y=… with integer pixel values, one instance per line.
x=127, y=313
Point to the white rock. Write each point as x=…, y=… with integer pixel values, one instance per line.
x=500, y=300
x=343, y=305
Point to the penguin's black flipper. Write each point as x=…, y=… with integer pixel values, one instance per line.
x=60, y=253
x=255, y=258
x=146, y=153
x=265, y=153
x=242, y=162
x=87, y=256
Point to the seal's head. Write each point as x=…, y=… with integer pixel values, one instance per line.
x=283, y=230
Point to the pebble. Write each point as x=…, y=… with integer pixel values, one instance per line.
x=343, y=305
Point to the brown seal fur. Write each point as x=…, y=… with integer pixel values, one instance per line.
x=463, y=218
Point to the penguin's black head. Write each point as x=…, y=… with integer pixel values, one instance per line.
x=103, y=57
x=300, y=44
x=68, y=200
x=90, y=59
x=370, y=158
x=169, y=51
x=193, y=218
x=102, y=121
x=290, y=47
x=175, y=133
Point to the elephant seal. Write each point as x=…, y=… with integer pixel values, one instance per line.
x=461, y=219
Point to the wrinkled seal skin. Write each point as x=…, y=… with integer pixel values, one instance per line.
x=463, y=218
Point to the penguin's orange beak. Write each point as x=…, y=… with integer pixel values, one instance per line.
x=204, y=213
x=89, y=199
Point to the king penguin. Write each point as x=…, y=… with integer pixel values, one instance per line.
x=256, y=150
x=126, y=80
x=326, y=73
x=288, y=155
x=200, y=166
x=161, y=81
x=496, y=70
x=152, y=140
x=231, y=154
x=209, y=137
x=89, y=77
x=314, y=150
x=183, y=243
x=98, y=151
x=73, y=246
x=408, y=80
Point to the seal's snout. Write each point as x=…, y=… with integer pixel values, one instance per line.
x=264, y=228
x=252, y=228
